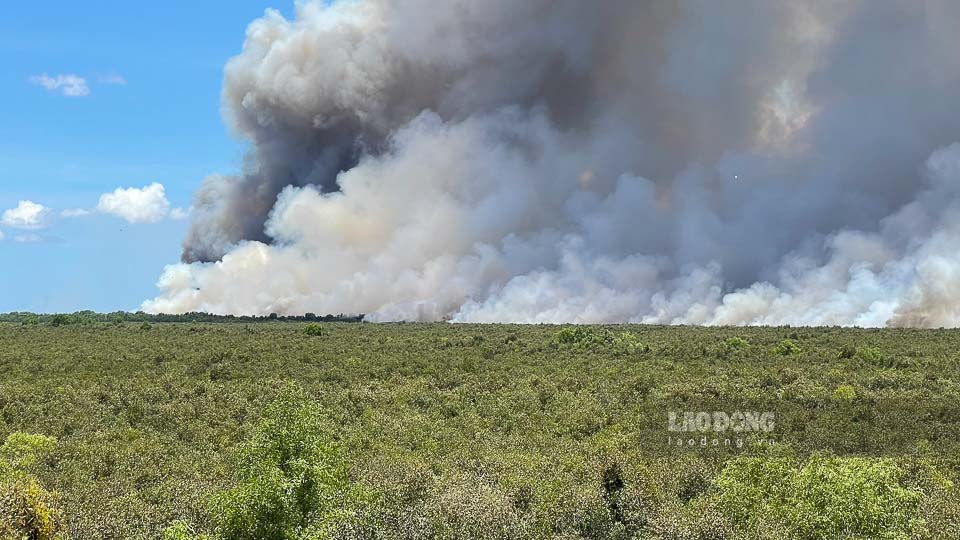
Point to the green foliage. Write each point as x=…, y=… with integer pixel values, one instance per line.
x=736, y=343
x=827, y=497
x=27, y=510
x=869, y=354
x=730, y=346
x=181, y=530
x=629, y=342
x=591, y=337
x=787, y=347
x=580, y=336
x=845, y=393
x=463, y=431
x=21, y=451
x=293, y=482
x=874, y=356
x=61, y=319
x=846, y=352
x=313, y=329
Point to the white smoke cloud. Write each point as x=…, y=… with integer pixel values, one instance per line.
x=69, y=85
x=136, y=205
x=692, y=162
x=27, y=215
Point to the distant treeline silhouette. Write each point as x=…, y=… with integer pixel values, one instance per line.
x=81, y=317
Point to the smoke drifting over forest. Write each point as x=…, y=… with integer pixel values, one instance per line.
x=698, y=162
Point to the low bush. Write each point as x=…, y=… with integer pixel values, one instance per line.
x=27, y=510
x=579, y=336
x=869, y=354
x=845, y=393
x=313, y=329
x=729, y=346
x=846, y=352
x=587, y=337
x=181, y=530
x=787, y=347
x=20, y=451
x=735, y=343
x=629, y=342
x=293, y=483
x=827, y=497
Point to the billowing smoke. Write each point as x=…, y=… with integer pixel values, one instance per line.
x=704, y=162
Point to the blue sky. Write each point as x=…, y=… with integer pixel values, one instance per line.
x=146, y=111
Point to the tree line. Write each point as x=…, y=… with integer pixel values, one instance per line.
x=83, y=317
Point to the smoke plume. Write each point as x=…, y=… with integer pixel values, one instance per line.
x=699, y=162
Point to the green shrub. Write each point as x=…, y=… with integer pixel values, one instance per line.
x=588, y=337
x=61, y=320
x=577, y=335
x=787, y=347
x=735, y=343
x=869, y=354
x=862, y=496
x=845, y=393
x=629, y=342
x=181, y=530
x=641, y=498
x=466, y=508
x=699, y=520
x=293, y=482
x=313, y=329
x=874, y=356
x=729, y=346
x=26, y=509
x=20, y=451
x=828, y=497
x=846, y=352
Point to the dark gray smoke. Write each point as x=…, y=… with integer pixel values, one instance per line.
x=694, y=161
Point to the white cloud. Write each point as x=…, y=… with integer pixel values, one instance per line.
x=74, y=213
x=1, y=235
x=68, y=85
x=179, y=213
x=136, y=205
x=27, y=215
x=113, y=78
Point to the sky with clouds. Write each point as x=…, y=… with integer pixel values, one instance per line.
x=111, y=118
